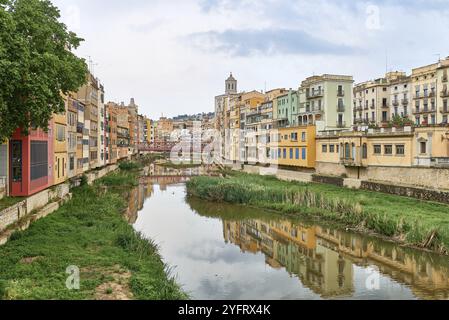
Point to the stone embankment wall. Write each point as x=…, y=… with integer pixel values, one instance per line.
x=397, y=181
x=42, y=204
x=421, y=177
x=414, y=192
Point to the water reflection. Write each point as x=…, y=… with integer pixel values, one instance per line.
x=320, y=262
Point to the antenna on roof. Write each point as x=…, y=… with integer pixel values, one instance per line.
x=439, y=56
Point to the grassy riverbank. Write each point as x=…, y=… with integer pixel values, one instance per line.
x=419, y=223
x=184, y=165
x=90, y=233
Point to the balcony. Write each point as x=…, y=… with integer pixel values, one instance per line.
x=444, y=109
x=404, y=102
x=359, y=108
x=444, y=78
x=315, y=94
x=386, y=105
x=444, y=94
x=351, y=162
x=373, y=106
x=395, y=103
x=340, y=93
x=341, y=108
x=341, y=124
x=424, y=110
x=432, y=94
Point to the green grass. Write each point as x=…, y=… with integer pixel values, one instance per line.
x=7, y=202
x=184, y=165
x=419, y=223
x=88, y=232
x=129, y=166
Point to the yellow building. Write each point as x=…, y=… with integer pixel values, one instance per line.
x=443, y=94
x=431, y=147
x=403, y=156
x=425, y=84
x=60, y=146
x=293, y=146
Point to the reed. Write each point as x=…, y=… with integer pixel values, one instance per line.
x=416, y=222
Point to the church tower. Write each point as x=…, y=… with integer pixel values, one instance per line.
x=231, y=85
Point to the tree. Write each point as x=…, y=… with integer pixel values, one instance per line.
x=36, y=64
x=398, y=121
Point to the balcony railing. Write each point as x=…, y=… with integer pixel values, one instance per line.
x=444, y=78
x=444, y=94
x=341, y=108
x=341, y=124
x=351, y=162
x=444, y=109
x=395, y=103
x=315, y=94
x=424, y=110
x=404, y=102
x=373, y=106
x=341, y=93
x=385, y=105
x=440, y=162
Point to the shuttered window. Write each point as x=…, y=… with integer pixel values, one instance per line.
x=39, y=160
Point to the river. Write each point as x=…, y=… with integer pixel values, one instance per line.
x=222, y=251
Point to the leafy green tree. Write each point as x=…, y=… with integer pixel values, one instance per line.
x=36, y=64
x=399, y=121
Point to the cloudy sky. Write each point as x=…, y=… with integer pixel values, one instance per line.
x=172, y=56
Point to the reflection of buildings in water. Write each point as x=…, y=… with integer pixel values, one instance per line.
x=323, y=259
x=133, y=205
x=294, y=248
x=426, y=277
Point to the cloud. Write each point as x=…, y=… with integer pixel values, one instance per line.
x=245, y=43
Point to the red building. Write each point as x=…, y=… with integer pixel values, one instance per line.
x=31, y=162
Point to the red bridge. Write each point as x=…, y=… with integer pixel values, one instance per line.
x=157, y=147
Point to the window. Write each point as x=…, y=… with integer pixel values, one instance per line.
x=331, y=148
x=291, y=153
x=400, y=149
x=39, y=160
x=303, y=137
x=324, y=148
x=297, y=153
x=285, y=153
x=347, y=151
x=388, y=149
x=377, y=149
x=294, y=136
x=365, y=151
x=16, y=160
x=423, y=147
x=72, y=163
x=279, y=154
x=60, y=133
x=304, y=153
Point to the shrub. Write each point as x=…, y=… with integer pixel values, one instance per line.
x=129, y=166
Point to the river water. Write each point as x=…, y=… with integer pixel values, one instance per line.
x=221, y=251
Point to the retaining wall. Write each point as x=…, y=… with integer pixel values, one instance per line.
x=42, y=204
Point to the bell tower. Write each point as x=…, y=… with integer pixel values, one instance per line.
x=231, y=85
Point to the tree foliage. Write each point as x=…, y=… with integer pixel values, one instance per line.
x=36, y=64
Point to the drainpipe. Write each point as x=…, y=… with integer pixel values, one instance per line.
x=7, y=169
x=361, y=159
